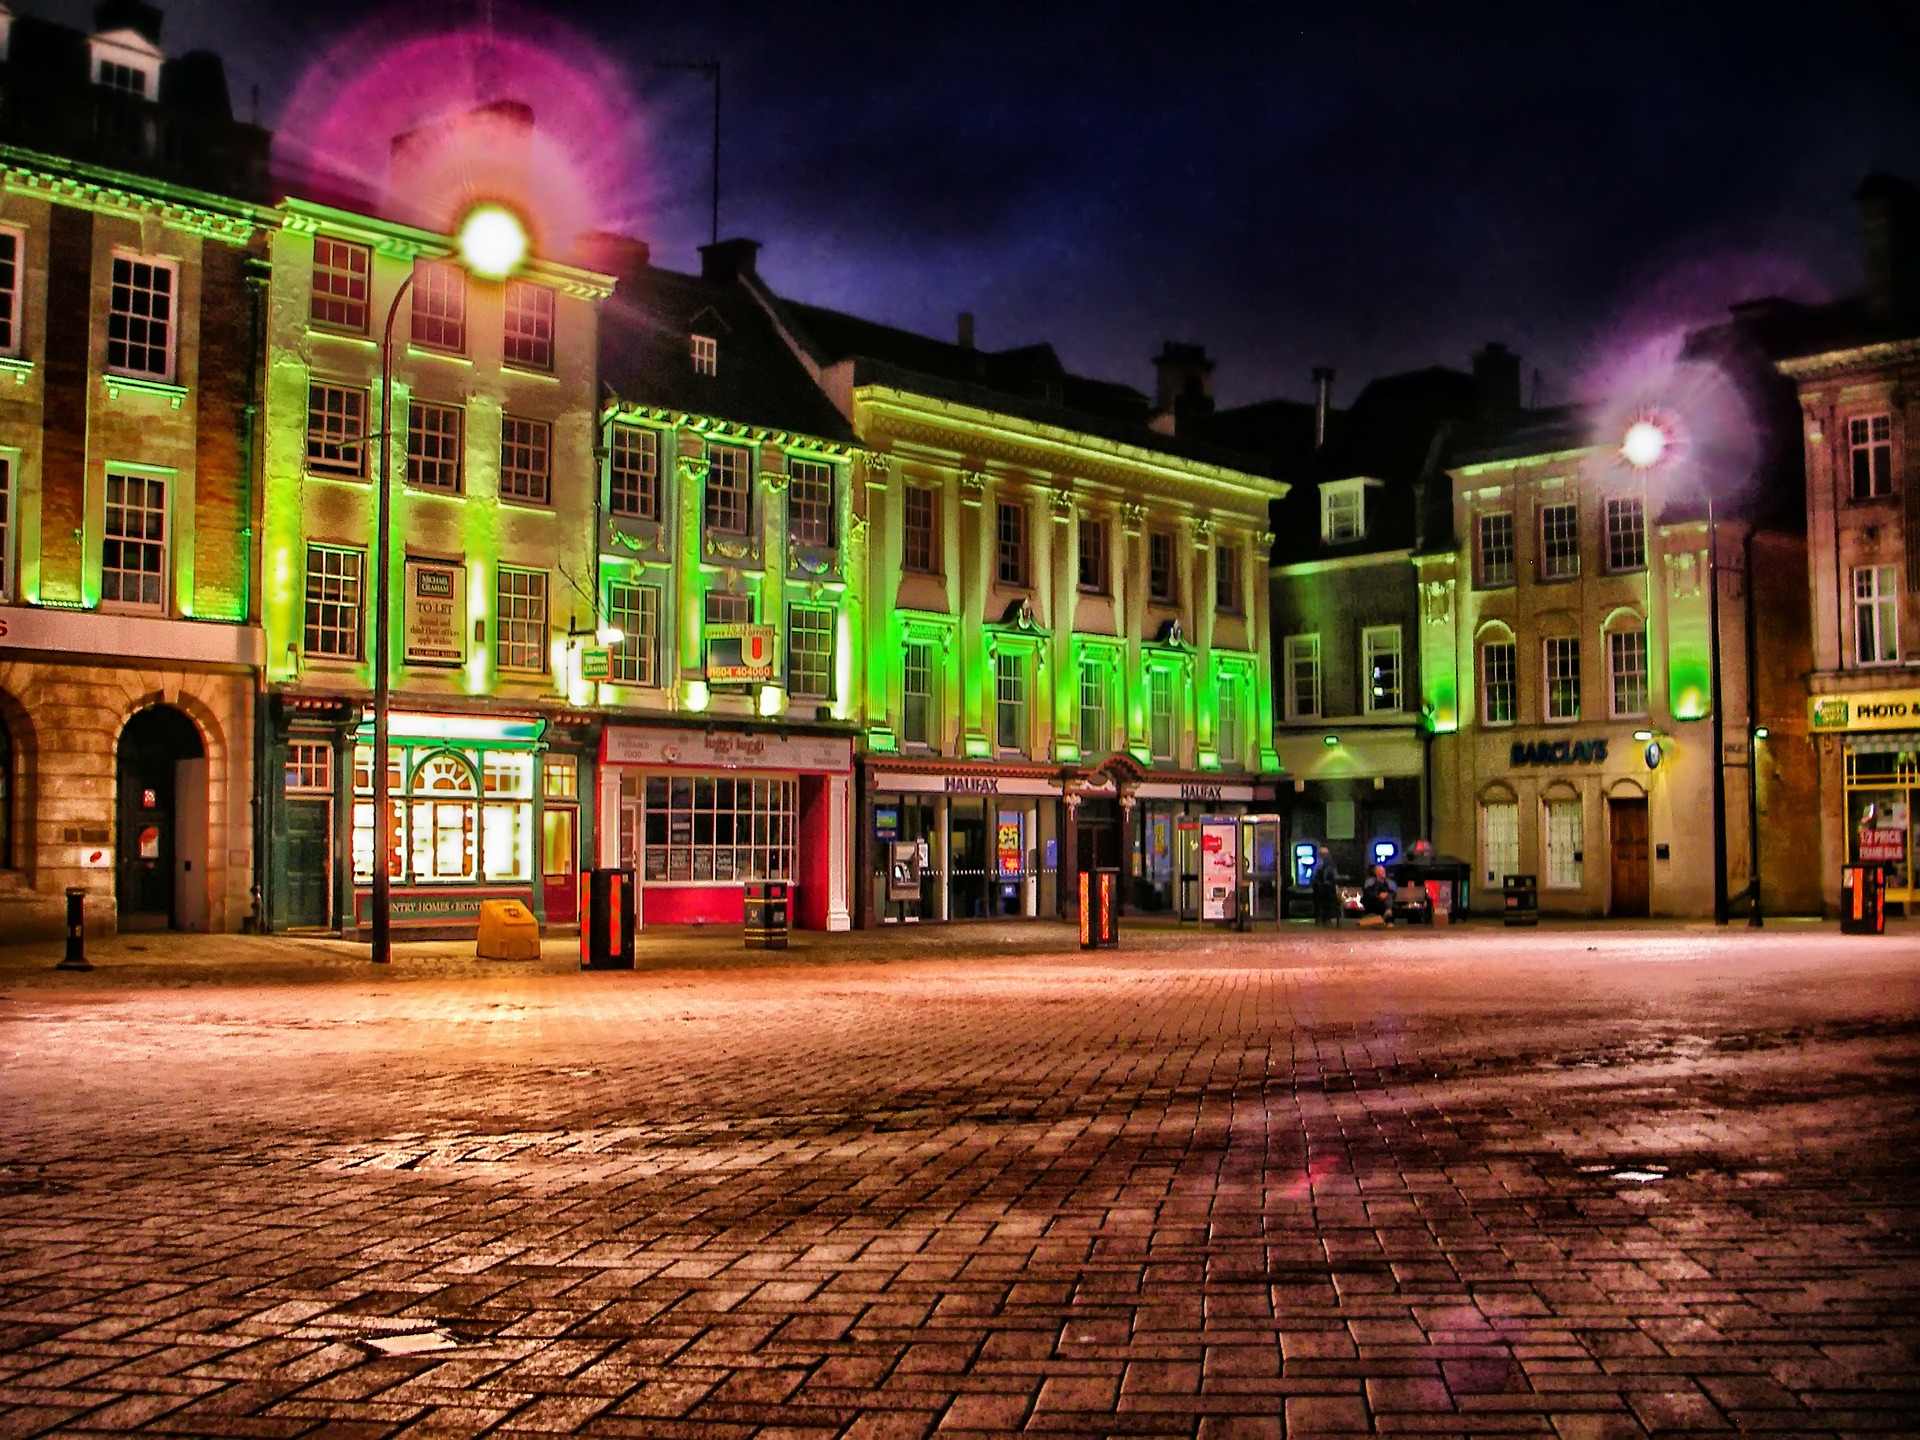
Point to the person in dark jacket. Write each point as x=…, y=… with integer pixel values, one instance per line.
x=1326, y=889
x=1376, y=898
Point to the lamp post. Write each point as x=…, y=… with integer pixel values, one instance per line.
x=492, y=245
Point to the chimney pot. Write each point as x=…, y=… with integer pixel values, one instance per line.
x=1322, y=403
x=1183, y=380
x=728, y=259
x=1890, y=232
x=1496, y=381
x=966, y=330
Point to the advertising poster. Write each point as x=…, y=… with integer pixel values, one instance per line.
x=1008, y=857
x=436, y=613
x=740, y=654
x=1883, y=833
x=1218, y=869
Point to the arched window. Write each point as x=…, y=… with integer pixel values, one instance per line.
x=1629, y=690
x=443, y=818
x=1499, y=834
x=1499, y=674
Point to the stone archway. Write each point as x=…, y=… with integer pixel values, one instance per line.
x=162, y=811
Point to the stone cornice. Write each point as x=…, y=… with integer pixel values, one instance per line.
x=111, y=193
x=408, y=243
x=713, y=428
x=1858, y=357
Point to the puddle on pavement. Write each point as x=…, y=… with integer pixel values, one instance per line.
x=418, y=1342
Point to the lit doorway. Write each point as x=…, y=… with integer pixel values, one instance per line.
x=161, y=849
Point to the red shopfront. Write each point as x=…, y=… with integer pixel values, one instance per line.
x=699, y=813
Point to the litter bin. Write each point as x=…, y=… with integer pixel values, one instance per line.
x=1863, y=900
x=1099, y=909
x=1521, y=894
x=766, y=915
x=606, y=919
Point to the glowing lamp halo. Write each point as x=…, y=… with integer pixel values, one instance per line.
x=1645, y=443
x=492, y=241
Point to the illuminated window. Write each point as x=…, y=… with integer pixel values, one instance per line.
x=727, y=508
x=520, y=619
x=1627, y=672
x=1227, y=722
x=1499, y=683
x=335, y=601
x=703, y=828
x=337, y=430
x=436, y=446
x=1303, y=677
x=706, y=355
x=440, y=306
x=920, y=533
x=526, y=459
x=1876, y=615
x=1870, y=447
x=1161, y=720
x=442, y=820
x=1626, y=535
x=1010, y=701
x=723, y=607
x=140, y=317
x=1562, y=676
x=10, y=250
x=810, y=503
x=1496, y=549
x=506, y=817
x=1343, y=515
x=1559, y=542
x=1160, y=567
x=1226, y=579
x=635, y=486
x=309, y=769
x=1565, y=843
x=529, y=333
x=1011, y=546
x=1096, y=734
x=917, y=713
x=1499, y=840
x=6, y=528
x=1093, y=556
x=1380, y=657
x=133, y=553
x=559, y=777
x=635, y=611
x=127, y=79
x=810, y=652
x=341, y=275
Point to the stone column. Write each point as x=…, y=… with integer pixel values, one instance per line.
x=839, y=807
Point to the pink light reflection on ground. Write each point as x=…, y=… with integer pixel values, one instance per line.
x=416, y=68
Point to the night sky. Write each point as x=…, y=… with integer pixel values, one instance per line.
x=1371, y=186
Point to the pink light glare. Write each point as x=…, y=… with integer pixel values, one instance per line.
x=424, y=70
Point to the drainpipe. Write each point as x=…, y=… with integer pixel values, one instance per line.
x=257, y=272
x=1754, y=920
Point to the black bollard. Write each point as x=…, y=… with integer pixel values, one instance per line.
x=76, y=956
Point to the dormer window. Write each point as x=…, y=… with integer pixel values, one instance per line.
x=126, y=61
x=706, y=355
x=1343, y=511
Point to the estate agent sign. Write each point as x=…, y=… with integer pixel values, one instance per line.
x=436, y=613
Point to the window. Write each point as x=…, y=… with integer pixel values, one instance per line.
x=1160, y=567
x=520, y=619
x=1870, y=441
x=1226, y=579
x=916, y=695
x=436, y=446
x=634, y=610
x=6, y=528
x=140, y=317
x=529, y=334
x=1559, y=542
x=727, y=495
x=1626, y=535
x=1565, y=843
x=1380, y=654
x=810, y=652
x=1563, y=678
x=440, y=307
x=919, y=530
x=1093, y=556
x=703, y=828
x=1627, y=667
x=1500, y=840
x=341, y=275
x=1499, y=690
x=1011, y=532
x=10, y=242
x=706, y=355
x=133, y=555
x=1010, y=701
x=723, y=607
x=560, y=776
x=810, y=503
x=335, y=601
x=1342, y=513
x=1496, y=549
x=1303, y=677
x=127, y=79
x=526, y=458
x=1161, y=721
x=1095, y=736
x=1876, y=615
x=634, y=489
x=1227, y=732
x=336, y=430
x=309, y=769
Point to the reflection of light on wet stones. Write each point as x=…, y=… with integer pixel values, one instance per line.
x=418, y=1342
x=1642, y=1177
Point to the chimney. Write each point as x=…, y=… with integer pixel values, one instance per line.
x=620, y=256
x=1496, y=382
x=1322, y=403
x=1183, y=380
x=431, y=181
x=134, y=15
x=966, y=330
x=726, y=260
x=1890, y=230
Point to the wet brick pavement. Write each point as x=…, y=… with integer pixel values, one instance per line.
x=1567, y=1183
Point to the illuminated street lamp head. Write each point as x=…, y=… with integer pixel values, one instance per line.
x=1644, y=444
x=493, y=242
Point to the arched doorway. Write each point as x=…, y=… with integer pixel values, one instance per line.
x=161, y=852
x=7, y=861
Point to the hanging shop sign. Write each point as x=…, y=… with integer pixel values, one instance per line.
x=436, y=613
x=740, y=654
x=1557, y=752
x=595, y=664
x=1866, y=710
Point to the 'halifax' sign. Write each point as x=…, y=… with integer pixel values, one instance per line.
x=1558, y=752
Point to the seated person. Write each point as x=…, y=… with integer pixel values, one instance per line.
x=1376, y=898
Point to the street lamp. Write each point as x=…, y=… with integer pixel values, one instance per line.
x=492, y=244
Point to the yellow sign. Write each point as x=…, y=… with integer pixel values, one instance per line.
x=1867, y=710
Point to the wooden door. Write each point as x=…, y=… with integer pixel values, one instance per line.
x=560, y=863
x=1627, y=821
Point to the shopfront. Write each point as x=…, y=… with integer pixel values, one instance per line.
x=986, y=841
x=699, y=813
x=1164, y=854
x=1870, y=770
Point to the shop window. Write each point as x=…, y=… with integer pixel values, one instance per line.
x=1559, y=542
x=1010, y=701
x=1499, y=690
x=1303, y=677
x=1093, y=556
x=634, y=487
x=309, y=768
x=1227, y=732
x=1162, y=721
x=1495, y=549
x=1876, y=615
x=810, y=503
x=133, y=554
x=1870, y=454
x=702, y=828
x=1011, y=546
x=635, y=611
x=458, y=815
x=1626, y=535
x=1566, y=840
x=920, y=530
x=1226, y=579
x=917, y=712
x=506, y=816
x=337, y=430
x=810, y=652
x=341, y=275
x=439, y=320
x=727, y=508
x=1161, y=583
x=1562, y=676
x=335, y=602
x=560, y=777
x=436, y=446
x=1627, y=671
x=529, y=326
x=1500, y=840
x=1095, y=735
x=140, y=318
x=526, y=460
x=443, y=819
x=520, y=620
x=1380, y=654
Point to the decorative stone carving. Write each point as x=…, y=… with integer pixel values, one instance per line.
x=973, y=487
x=1133, y=517
x=1264, y=539
x=1683, y=574
x=774, y=480
x=1203, y=529
x=878, y=467
x=693, y=467
x=1436, y=601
